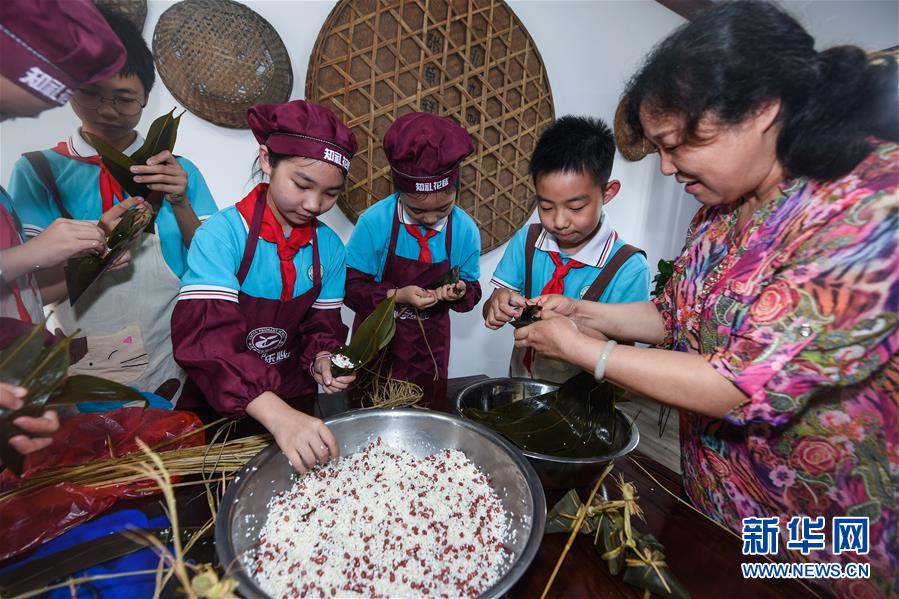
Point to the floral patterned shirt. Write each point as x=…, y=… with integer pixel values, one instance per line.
x=802, y=315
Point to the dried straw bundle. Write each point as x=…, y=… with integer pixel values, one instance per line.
x=216, y=458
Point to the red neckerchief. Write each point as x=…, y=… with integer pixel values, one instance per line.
x=556, y=285
x=110, y=190
x=271, y=231
x=424, y=252
x=557, y=282
x=9, y=238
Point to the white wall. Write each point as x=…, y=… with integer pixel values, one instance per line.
x=589, y=48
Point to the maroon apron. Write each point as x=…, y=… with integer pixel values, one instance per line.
x=273, y=325
x=408, y=356
x=271, y=333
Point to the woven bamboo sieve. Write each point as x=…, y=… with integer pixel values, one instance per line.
x=133, y=10
x=218, y=58
x=632, y=147
x=470, y=60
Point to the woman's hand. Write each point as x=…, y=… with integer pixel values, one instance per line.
x=556, y=338
x=304, y=439
x=321, y=372
x=64, y=239
x=556, y=305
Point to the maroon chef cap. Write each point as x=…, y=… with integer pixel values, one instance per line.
x=51, y=47
x=301, y=128
x=424, y=152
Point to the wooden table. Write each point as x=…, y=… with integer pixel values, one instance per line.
x=705, y=558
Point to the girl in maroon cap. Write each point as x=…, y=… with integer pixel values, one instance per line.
x=407, y=240
x=259, y=308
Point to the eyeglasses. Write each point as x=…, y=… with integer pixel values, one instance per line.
x=92, y=100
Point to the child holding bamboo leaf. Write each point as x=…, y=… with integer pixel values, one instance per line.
x=573, y=250
x=406, y=244
x=70, y=47
x=125, y=314
x=259, y=311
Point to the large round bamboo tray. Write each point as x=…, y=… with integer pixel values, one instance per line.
x=472, y=61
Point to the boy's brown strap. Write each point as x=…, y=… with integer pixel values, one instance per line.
x=530, y=247
x=42, y=169
x=609, y=271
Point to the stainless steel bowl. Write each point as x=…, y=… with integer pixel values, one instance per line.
x=555, y=472
x=243, y=511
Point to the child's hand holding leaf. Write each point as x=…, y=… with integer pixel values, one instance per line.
x=556, y=305
x=111, y=217
x=415, y=296
x=451, y=293
x=12, y=398
x=503, y=306
x=163, y=173
x=321, y=372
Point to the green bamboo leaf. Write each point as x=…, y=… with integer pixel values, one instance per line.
x=170, y=134
x=152, y=140
x=450, y=278
x=80, y=388
x=645, y=577
x=16, y=359
x=161, y=136
x=610, y=540
x=373, y=335
x=83, y=271
x=126, y=229
x=666, y=270
x=561, y=517
x=45, y=375
x=577, y=420
x=529, y=315
x=118, y=165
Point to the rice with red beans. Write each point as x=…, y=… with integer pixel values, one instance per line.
x=382, y=523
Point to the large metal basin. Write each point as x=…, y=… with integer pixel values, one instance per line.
x=242, y=513
x=557, y=473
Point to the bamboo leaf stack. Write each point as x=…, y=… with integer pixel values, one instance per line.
x=41, y=371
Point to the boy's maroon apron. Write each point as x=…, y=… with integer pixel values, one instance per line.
x=416, y=347
x=273, y=327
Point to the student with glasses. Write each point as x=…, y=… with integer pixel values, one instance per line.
x=125, y=315
x=124, y=103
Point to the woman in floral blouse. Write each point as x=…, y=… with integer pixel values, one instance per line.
x=783, y=310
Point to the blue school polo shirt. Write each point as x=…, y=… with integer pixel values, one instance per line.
x=78, y=185
x=368, y=245
x=217, y=250
x=630, y=283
